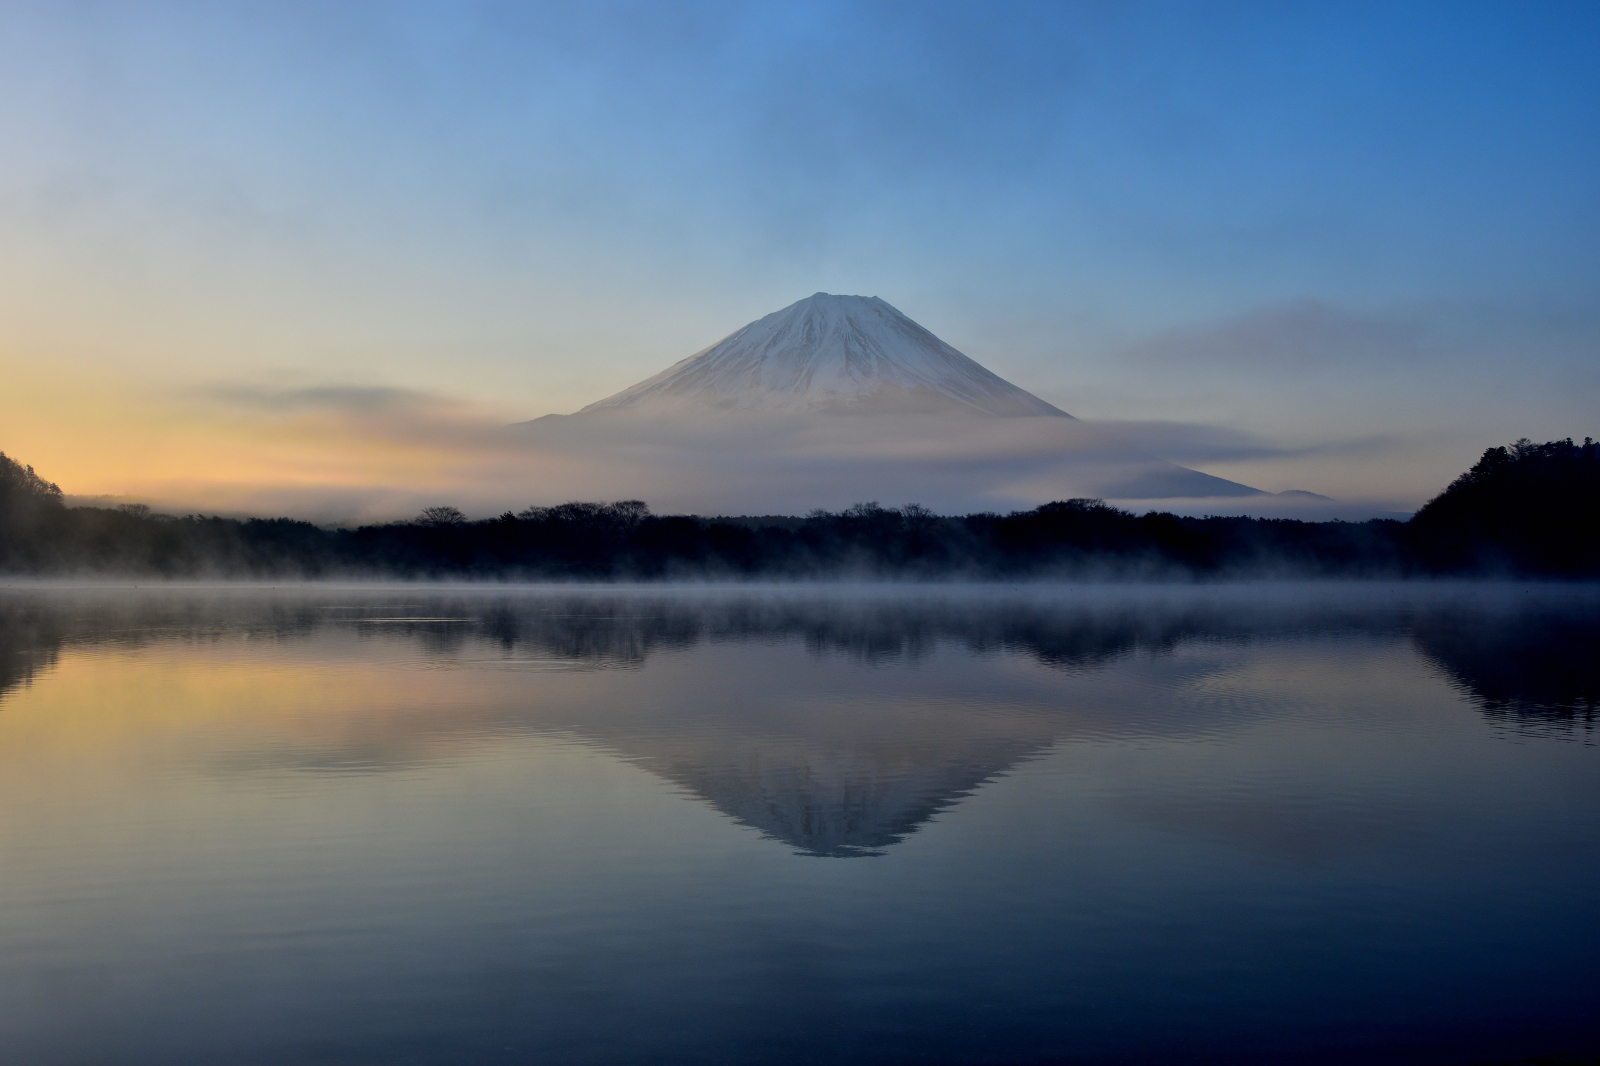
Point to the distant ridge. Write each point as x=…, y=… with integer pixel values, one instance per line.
x=832, y=353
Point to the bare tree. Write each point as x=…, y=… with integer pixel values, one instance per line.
x=629, y=513
x=622, y=516
x=439, y=517
x=918, y=517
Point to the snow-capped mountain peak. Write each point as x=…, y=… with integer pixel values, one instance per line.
x=828, y=352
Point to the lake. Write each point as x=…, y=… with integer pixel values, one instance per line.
x=1262, y=823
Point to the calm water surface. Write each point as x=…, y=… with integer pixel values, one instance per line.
x=1257, y=824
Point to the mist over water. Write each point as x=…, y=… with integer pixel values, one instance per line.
x=1226, y=823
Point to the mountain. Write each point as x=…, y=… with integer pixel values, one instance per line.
x=831, y=401
x=832, y=353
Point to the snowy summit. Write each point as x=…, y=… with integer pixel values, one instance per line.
x=831, y=353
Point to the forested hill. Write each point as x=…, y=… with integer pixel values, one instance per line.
x=1524, y=509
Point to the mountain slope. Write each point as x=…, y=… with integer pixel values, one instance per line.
x=831, y=353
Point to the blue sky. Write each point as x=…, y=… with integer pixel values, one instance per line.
x=1341, y=247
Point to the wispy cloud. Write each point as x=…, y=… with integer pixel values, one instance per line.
x=1196, y=442
x=1296, y=338
x=347, y=398
x=402, y=415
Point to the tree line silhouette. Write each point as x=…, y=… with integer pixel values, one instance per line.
x=1523, y=509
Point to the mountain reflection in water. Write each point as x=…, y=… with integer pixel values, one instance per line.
x=827, y=773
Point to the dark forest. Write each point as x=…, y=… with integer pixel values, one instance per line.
x=1525, y=509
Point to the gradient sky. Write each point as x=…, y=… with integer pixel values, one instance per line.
x=1338, y=247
